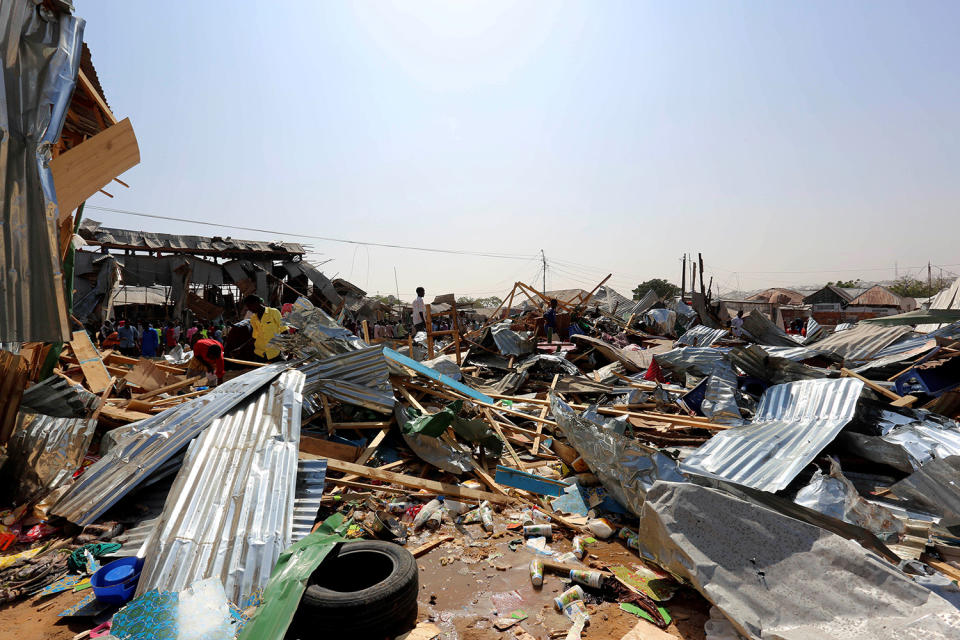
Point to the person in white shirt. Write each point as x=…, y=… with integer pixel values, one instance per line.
x=737, y=324
x=419, y=312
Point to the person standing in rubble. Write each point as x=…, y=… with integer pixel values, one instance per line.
x=737, y=324
x=127, y=339
x=265, y=322
x=550, y=320
x=149, y=342
x=419, y=312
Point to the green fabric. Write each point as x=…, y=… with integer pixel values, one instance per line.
x=77, y=562
x=288, y=581
x=434, y=425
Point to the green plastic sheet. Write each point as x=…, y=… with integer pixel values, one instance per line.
x=288, y=581
x=434, y=424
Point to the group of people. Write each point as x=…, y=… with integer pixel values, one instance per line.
x=260, y=324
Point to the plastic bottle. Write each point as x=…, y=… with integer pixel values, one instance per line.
x=536, y=572
x=486, y=518
x=434, y=506
x=578, y=548
x=544, y=530
x=600, y=528
x=573, y=593
x=589, y=578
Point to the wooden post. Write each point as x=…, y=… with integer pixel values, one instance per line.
x=366, y=331
x=683, y=277
x=331, y=427
x=702, y=291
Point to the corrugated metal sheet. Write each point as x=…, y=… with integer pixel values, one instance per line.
x=759, y=327
x=934, y=487
x=755, y=361
x=509, y=342
x=56, y=396
x=147, y=444
x=360, y=378
x=96, y=234
x=775, y=576
x=229, y=513
x=877, y=296
x=699, y=361
x=700, y=336
x=860, y=343
x=791, y=353
x=45, y=451
x=949, y=298
x=311, y=478
x=40, y=62
x=794, y=422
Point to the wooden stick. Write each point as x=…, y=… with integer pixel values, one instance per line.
x=169, y=388
x=245, y=363
x=103, y=399
x=543, y=414
x=871, y=384
x=372, y=447
x=430, y=545
x=443, y=488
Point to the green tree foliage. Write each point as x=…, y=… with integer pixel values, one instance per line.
x=489, y=301
x=846, y=284
x=661, y=287
x=910, y=287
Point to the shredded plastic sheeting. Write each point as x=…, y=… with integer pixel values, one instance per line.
x=834, y=495
x=775, y=577
x=626, y=468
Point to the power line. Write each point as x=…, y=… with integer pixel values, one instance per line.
x=482, y=254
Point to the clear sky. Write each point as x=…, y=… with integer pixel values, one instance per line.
x=791, y=143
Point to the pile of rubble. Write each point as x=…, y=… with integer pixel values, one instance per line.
x=652, y=476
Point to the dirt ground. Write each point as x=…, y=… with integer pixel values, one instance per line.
x=466, y=583
x=36, y=618
x=463, y=584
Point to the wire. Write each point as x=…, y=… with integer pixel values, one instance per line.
x=482, y=254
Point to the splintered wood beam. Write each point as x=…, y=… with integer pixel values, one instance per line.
x=452, y=490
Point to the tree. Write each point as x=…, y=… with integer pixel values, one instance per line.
x=490, y=301
x=910, y=287
x=846, y=284
x=661, y=287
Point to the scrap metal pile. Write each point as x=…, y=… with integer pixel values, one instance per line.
x=804, y=490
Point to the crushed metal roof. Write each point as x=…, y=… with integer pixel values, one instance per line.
x=229, y=513
x=149, y=443
x=878, y=296
x=794, y=422
x=861, y=342
x=96, y=234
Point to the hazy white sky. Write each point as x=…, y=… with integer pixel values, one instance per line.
x=791, y=143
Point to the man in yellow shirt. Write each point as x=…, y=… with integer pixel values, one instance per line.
x=266, y=322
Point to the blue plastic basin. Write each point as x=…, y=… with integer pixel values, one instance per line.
x=116, y=582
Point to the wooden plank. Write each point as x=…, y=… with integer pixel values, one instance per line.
x=88, y=167
x=88, y=87
x=94, y=371
x=245, y=363
x=13, y=379
x=442, y=488
x=170, y=387
x=506, y=443
x=103, y=400
x=372, y=447
x=430, y=545
x=121, y=415
x=871, y=384
x=366, y=485
x=112, y=357
x=386, y=467
x=436, y=376
x=328, y=449
x=905, y=401
x=543, y=414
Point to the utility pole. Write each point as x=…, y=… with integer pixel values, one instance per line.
x=929, y=279
x=543, y=255
x=700, y=258
x=683, y=278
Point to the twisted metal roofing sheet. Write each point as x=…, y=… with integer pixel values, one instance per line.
x=861, y=342
x=359, y=377
x=311, y=477
x=229, y=513
x=147, y=444
x=45, y=451
x=794, y=422
x=700, y=336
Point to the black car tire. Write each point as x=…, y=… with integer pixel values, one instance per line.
x=367, y=588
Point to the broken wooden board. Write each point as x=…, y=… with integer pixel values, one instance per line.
x=13, y=380
x=148, y=376
x=88, y=167
x=423, y=631
x=328, y=449
x=403, y=480
x=430, y=545
x=528, y=482
x=121, y=415
x=94, y=371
